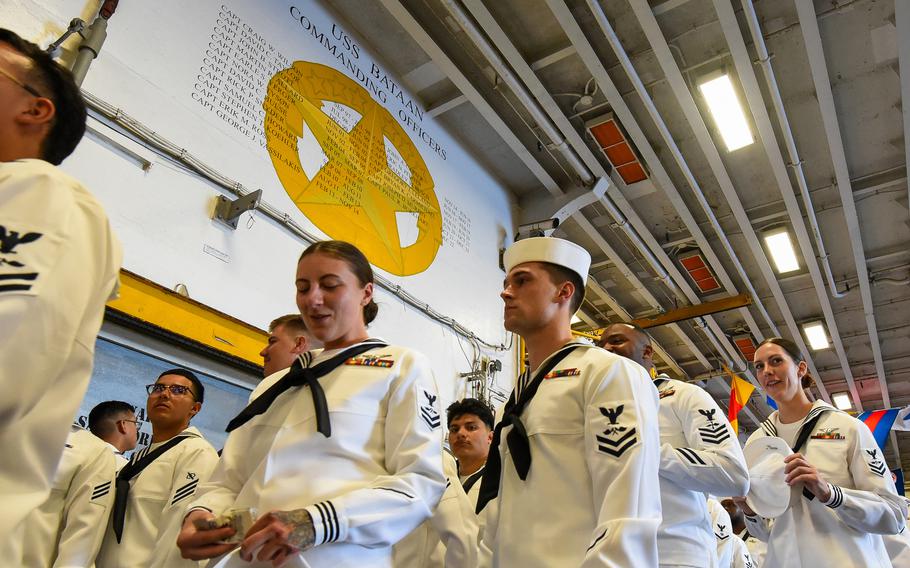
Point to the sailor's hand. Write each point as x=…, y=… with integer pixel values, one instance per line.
x=277, y=535
x=799, y=470
x=744, y=507
x=197, y=543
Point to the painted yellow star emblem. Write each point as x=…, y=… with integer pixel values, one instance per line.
x=356, y=196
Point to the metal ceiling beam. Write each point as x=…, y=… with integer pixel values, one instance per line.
x=658, y=43
x=598, y=71
x=446, y=106
x=698, y=310
x=611, y=301
x=447, y=66
x=825, y=96
x=611, y=253
x=515, y=84
x=552, y=58
x=756, y=104
x=902, y=19
x=696, y=121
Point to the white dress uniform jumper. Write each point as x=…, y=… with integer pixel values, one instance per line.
x=575, y=464
x=59, y=264
x=864, y=504
x=699, y=455
x=156, y=503
x=448, y=539
x=66, y=531
x=361, y=452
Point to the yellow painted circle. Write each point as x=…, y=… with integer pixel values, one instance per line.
x=355, y=196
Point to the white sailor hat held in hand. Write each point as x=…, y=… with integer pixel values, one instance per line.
x=769, y=494
x=549, y=249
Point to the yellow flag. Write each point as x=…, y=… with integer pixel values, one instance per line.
x=740, y=391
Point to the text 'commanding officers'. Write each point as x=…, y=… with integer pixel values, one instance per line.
x=575, y=459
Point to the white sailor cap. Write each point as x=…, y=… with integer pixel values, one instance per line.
x=549, y=249
x=769, y=494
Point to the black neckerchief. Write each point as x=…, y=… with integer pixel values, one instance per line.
x=300, y=375
x=517, y=438
x=472, y=479
x=130, y=471
x=802, y=436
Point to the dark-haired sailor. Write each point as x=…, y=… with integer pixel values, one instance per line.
x=152, y=490
x=699, y=454
x=59, y=265
x=842, y=497
x=342, y=456
x=574, y=461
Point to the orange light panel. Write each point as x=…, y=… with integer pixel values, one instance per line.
x=700, y=272
x=617, y=149
x=746, y=346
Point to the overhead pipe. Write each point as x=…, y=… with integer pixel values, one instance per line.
x=756, y=102
x=549, y=129
x=684, y=96
x=595, y=65
x=592, y=61
x=497, y=36
x=601, y=18
x=819, y=69
x=796, y=163
x=519, y=90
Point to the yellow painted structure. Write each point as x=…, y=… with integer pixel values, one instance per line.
x=153, y=304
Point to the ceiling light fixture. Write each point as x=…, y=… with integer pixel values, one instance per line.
x=727, y=112
x=816, y=335
x=842, y=401
x=782, y=252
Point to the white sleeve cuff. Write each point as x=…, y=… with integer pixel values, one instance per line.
x=837, y=497
x=326, y=522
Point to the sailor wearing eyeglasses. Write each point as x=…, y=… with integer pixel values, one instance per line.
x=153, y=489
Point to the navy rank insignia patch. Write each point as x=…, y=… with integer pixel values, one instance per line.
x=371, y=360
x=827, y=434
x=876, y=464
x=101, y=490
x=616, y=439
x=562, y=373
x=428, y=411
x=714, y=432
x=665, y=393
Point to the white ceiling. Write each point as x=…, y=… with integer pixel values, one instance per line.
x=555, y=49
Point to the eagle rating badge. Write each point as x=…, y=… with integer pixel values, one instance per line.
x=876, y=464
x=617, y=438
x=714, y=432
x=428, y=411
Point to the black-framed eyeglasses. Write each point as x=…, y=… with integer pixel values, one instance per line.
x=31, y=90
x=178, y=390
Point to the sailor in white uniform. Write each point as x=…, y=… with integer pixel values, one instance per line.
x=66, y=530
x=288, y=339
x=448, y=539
x=575, y=459
x=59, y=264
x=342, y=457
x=114, y=423
x=152, y=490
x=842, y=496
x=754, y=548
x=470, y=423
x=699, y=455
